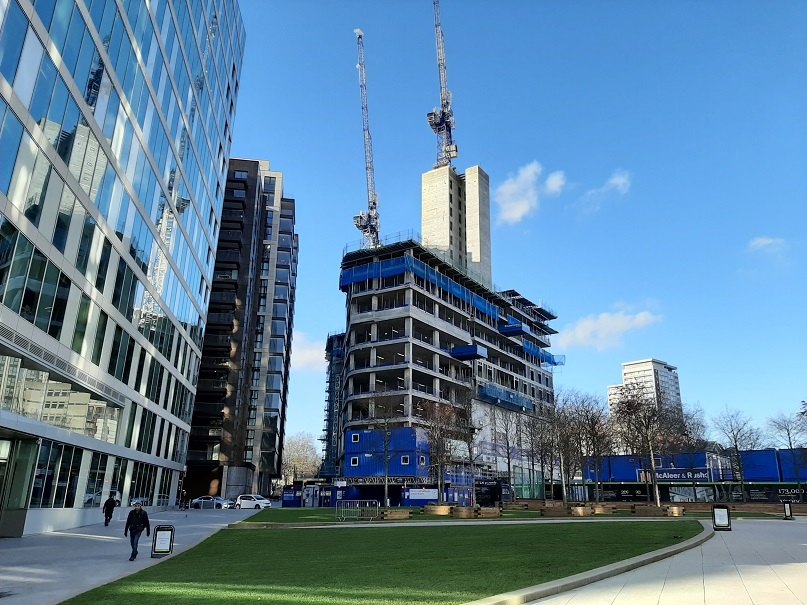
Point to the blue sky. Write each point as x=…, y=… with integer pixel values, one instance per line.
x=647, y=164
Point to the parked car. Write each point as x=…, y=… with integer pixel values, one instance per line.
x=211, y=502
x=252, y=501
x=140, y=501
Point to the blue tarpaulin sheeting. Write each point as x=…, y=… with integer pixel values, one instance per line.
x=397, y=266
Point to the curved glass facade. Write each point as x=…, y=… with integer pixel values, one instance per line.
x=115, y=130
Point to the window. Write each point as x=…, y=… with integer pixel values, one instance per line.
x=354, y=437
x=422, y=461
x=240, y=174
x=405, y=460
x=354, y=461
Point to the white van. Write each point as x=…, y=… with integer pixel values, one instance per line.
x=252, y=501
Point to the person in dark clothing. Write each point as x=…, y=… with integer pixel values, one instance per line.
x=136, y=522
x=109, y=508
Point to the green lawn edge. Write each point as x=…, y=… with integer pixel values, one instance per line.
x=438, y=564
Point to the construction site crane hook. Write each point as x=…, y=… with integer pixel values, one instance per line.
x=441, y=119
x=369, y=223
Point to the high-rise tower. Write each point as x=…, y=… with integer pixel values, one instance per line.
x=115, y=122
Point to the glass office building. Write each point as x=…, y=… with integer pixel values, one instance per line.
x=115, y=129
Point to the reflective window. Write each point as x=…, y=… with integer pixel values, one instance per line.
x=33, y=287
x=81, y=323
x=18, y=274
x=63, y=218
x=9, y=145
x=45, y=306
x=8, y=240
x=59, y=306
x=12, y=37
x=100, y=333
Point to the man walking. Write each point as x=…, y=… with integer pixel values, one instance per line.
x=109, y=509
x=136, y=522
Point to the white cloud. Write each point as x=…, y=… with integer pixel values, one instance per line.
x=767, y=245
x=307, y=355
x=593, y=199
x=518, y=195
x=555, y=183
x=604, y=331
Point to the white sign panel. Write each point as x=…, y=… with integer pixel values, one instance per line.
x=721, y=517
x=162, y=541
x=423, y=494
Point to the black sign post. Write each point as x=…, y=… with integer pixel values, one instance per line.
x=163, y=542
x=721, y=517
x=788, y=510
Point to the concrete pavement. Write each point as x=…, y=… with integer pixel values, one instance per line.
x=759, y=562
x=46, y=569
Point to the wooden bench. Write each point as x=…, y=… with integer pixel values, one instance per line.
x=515, y=506
x=464, y=512
x=396, y=514
x=488, y=512
x=437, y=509
x=555, y=511
x=604, y=509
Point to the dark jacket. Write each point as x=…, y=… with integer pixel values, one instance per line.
x=109, y=506
x=138, y=520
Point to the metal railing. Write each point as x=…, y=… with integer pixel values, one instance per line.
x=356, y=510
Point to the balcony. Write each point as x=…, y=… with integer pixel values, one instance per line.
x=211, y=384
x=228, y=257
x=232, y=216
x=219, y=319
x=227, y=276
x=217, y=341
x=223, y=298
x=230, y=239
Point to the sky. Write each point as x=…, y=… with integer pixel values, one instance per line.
x=647, y=167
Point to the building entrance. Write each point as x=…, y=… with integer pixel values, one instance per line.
x=17, y=459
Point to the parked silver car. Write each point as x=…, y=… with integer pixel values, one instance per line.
x=212, y=502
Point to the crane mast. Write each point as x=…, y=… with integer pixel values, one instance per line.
x=442, y=119
x=369, y=223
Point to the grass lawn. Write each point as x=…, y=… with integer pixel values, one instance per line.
x=327, y=516
x=383, y=565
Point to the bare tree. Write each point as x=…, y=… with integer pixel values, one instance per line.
x=301, y=457
x=596, y=436
x=383, y=415
x=439, y=431
x=538, y=447
x=567, y=436
x=505, y=427
x=790, y=431
x=468, y=430
x=737, y=434
x=644, y=425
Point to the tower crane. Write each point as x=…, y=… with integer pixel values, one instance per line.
x=442, y=119
x=369, y=223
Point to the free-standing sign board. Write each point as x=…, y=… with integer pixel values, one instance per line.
x=163, y=542
x=788, y=510
x=721, y=517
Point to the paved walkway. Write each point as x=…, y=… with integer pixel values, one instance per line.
x=759, y=562
x=46, y=569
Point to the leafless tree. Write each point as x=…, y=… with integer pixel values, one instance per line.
x=505, y=427
x=538, y=448
x=568, y=436
x=790, y=431
x=596, y=435
x=468, y=429
x=383, y=418
x=301, y=457
x=737, y=434
x=644, y=425
x=440, y=422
